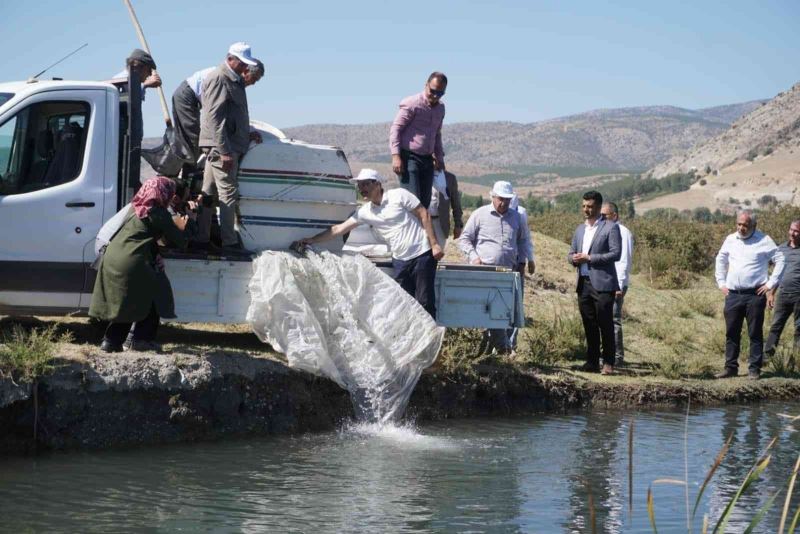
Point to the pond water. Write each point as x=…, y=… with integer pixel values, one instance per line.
x=548, y=473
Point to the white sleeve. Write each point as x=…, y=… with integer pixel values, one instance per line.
x=721, y=264
x=624, y=259
x=407, y=200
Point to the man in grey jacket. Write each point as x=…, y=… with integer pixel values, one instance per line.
x=225, y=137
x=596, y=245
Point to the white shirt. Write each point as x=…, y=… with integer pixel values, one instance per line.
x=396, y=223
x=623, y=266
x=195, y=81
x=588, y=237
x=743, y=263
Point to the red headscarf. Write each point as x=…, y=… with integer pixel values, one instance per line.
x=154, y=192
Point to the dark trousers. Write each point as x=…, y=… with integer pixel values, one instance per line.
x=741, y=305
x=417, y=177
x=785, y=306
x=416, y=277
x=144, y=330
x=186, y=116
x=597, y=314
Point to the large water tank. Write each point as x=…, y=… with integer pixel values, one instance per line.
x=290, y=189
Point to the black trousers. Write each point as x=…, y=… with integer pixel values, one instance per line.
x=144, y=330
x=597, y=314
x=785, y=306
x=186, y=116
x=740, y=305
x=416, y=276
x=417, y=176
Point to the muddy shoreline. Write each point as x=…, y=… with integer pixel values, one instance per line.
x=140, y=399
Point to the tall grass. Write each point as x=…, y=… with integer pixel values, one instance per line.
x=27, y=355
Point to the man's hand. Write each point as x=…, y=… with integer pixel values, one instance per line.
x=579, y=257
x=192, y=210
x=724, y=290
x=397, y=164
x=531, y=267
x=300, y=245
x=456, y=232
x=180, y=221
x=762, y=290
x=618, y=294
x=476, y=261
x=771, y=300
x=154, y=80
x=227, y=162
x=256, y=136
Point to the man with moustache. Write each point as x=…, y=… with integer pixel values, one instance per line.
x=788, y=301
x=415, y=138
x=596, y=246
x=398, y=218
x=742, y=274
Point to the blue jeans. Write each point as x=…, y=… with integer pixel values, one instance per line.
x=417, y=178
x=416, y=277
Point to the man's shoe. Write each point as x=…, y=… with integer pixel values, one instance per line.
x=590, y=367
x=754, y=374
x=619, y=361
x=727, y=373
x=107, y=346
x=607, y=369
x=144, y=346
x=126, y=345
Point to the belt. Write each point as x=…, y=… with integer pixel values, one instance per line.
x=746, y=291
x=434, y=216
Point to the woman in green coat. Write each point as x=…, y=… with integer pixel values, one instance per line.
x=131, y=287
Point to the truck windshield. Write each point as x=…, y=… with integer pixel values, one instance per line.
x=5, y=97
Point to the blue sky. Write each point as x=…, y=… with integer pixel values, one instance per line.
x=352, y=61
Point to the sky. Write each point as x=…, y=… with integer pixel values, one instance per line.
x=351, y=62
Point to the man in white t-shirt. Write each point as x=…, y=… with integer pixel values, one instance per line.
x=399, y=218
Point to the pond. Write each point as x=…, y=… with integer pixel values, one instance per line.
x=547, y=473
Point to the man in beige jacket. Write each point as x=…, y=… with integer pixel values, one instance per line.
x=225, y=137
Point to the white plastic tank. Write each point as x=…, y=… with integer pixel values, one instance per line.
x=290, y=189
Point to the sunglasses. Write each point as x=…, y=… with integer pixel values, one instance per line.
x=437, y=94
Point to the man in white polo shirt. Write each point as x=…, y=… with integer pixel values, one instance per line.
x=399, y=218
x=742, y=273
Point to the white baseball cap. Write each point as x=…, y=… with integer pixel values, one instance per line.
x=243, y=52
x=502, y=189
x=368, y=174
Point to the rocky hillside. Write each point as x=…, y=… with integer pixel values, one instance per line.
x=771, y=127
x=618, y=139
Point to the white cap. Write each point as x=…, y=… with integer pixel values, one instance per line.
x=242, y=51
x=368, y=174
x=502, y=189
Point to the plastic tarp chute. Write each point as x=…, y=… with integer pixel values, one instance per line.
x=341, y=317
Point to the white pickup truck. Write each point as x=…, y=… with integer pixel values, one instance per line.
x=68, y=159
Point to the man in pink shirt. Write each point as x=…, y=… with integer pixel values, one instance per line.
x=415, y=138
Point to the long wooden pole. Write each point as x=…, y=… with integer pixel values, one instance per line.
x=143, y=41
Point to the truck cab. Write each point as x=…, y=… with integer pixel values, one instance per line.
x=59, y=175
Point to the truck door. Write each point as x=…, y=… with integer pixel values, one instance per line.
x=51, y=197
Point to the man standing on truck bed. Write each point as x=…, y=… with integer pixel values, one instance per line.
x=415, y=138
x=225, y=136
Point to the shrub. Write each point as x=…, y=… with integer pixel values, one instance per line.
x=785, y=362
x=28, y=355
x=553, y=339
x=703, y=181
x=753, y=154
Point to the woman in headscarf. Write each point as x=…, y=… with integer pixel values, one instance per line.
x=131, y=287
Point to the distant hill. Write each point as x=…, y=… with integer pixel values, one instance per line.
x=770, y=126
x=754, y=163
x=626, y=139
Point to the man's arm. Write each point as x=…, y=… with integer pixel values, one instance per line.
x=721, y=267
x=614, y=248
x=403, y=118
x=622, y=265
x=574, y=248
x=468, y=239
x=326, y=235
x=779, y=261
x=438, y=151
x=425, y=219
